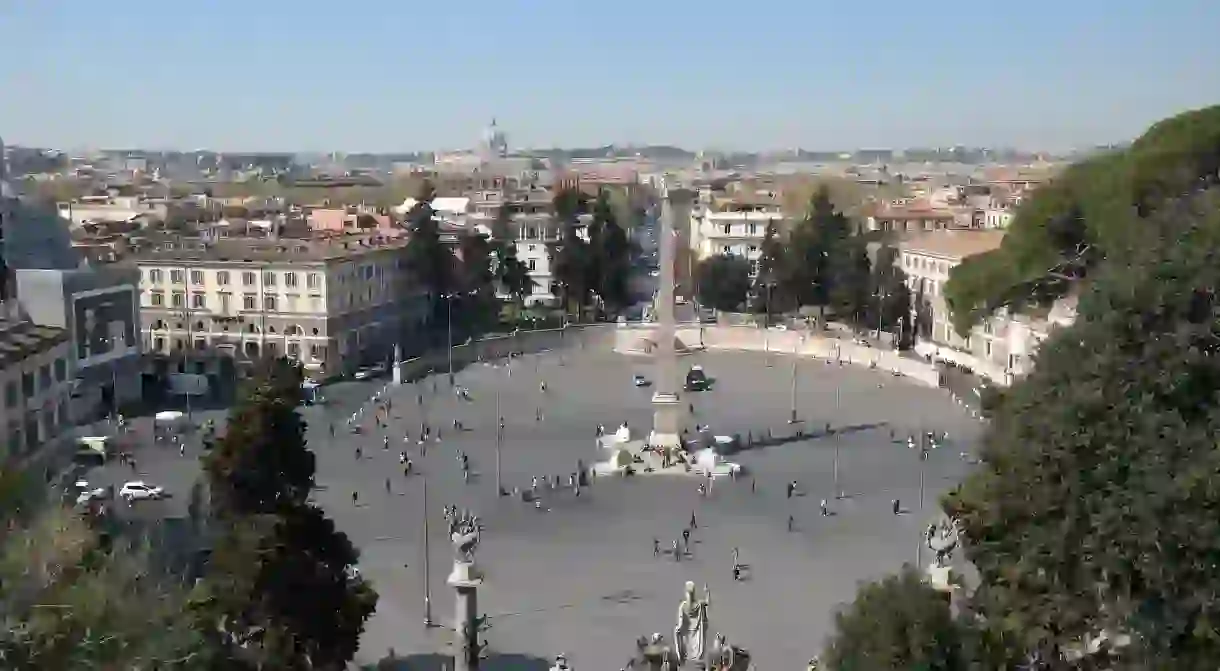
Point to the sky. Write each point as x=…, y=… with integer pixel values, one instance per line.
x=394, y=75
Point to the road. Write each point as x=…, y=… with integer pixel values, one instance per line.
x=582, y=578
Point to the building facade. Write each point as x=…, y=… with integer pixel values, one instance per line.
x=733, y=227
x=1000, y=347
x=333, y=303
x=36, y=379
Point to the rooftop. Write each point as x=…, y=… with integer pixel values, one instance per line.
x=953, y=243
x=251, y=250
x=20, y=339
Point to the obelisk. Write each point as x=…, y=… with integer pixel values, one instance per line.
x=666, y=406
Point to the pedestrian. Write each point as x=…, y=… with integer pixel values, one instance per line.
x=896, y=506
x=789, y=488
x=332, y=429
x=387, y=485
x=693, y=525
x=791, y=523
x=359, y=453
x=686, y=539
x=355, y=497
x=677, y=551
x=825, y=512
x=753, y=485
x=656, y=546
x=385, y=443
x=182, y=449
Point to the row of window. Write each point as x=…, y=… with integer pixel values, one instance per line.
x=292, y=349
x=33, y=382
x=913, y=262
x=248, y=278
x=291, y=329
x=248, y=302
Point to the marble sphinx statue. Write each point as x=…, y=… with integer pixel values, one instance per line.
x=690, y=631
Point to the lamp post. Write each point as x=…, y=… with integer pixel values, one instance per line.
x=449, y=331
x=499, y=441
x=427, y=550
x=767, y=325
x=792, y=419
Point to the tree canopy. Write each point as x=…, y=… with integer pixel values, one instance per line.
x=280, y=588
x=723, y=281
x=1094, y=509
x=1096, y=209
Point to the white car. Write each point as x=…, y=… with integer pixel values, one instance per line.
x=91, y=495
x=140, y=491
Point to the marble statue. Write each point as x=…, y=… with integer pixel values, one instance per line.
x=464, y=534
x=690, y=632
x=942, y=539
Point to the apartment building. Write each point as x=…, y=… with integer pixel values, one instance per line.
x=534, y=231
x=1001, y=347
x=910, y=217
x=334, y=303
x=37, y=381
x=734, y=225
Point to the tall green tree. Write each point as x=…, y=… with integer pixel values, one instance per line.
x=511, y=274
x=771, y=289
x=724, y=282
x=849, y=275
x=894, y=302
x=430, y=260
x=1094, y=510
x=477, y=302
x=280, y=590
x=610, y=252
x=570, y=255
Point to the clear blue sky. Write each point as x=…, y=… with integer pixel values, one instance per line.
x=391, y=75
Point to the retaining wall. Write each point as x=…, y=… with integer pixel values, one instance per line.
x=500, y=346
x=754, y=339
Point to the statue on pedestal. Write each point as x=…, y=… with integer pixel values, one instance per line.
x=690, y=632
x=942, y=538
x=464, y=534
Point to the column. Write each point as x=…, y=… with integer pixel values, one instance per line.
x=667, y=407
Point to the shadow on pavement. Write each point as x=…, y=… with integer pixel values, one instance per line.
x=435, y=662
x=771, y=439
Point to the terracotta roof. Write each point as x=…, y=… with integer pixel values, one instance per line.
x=953, y=243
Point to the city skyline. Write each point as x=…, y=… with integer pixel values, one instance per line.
x=1048, y=77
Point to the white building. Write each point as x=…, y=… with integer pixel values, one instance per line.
x=734, y=226
x=1000, y=347
x=535, y=233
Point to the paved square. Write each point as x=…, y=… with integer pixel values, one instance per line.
x=581, y=578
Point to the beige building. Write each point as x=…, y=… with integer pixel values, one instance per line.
x=734, y=225
x=1001, y=347
x=333, y=303
x=36, y=376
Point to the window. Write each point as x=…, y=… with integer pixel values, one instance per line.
x=158, y=344
x=222, y=278
x=316, y=352
x=44, y=376
x=249, y=302
x=290, y=302
x=268, y=302
x=312, y=280
x=247, y=279
x=269, y=278
x=728, y=228
x=294, y=350
x=178, y=300
x=290, y=279
x=753, y=229
x=27, y=384
x=11, y=394
x=201, y=344
x=532, y=264
x=175, y=276
x=196, y=277
x=225, y=299
x=157, y=298
x=61, y=370
x=199, y=301
x=155, y=276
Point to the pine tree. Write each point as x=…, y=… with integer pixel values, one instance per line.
x=430, y=260
x=511, y=274
x=770, y=290
x=279, y=590
x=610, y=250
x=570, y=256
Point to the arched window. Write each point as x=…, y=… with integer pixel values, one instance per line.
x=270, y=329
x=198, y=326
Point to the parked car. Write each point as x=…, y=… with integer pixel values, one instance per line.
x=697, y=380
x=140, y=491
x=640, y=381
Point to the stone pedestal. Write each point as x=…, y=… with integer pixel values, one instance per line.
x=666, y=422
x=465, y=579
x=396, y=371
